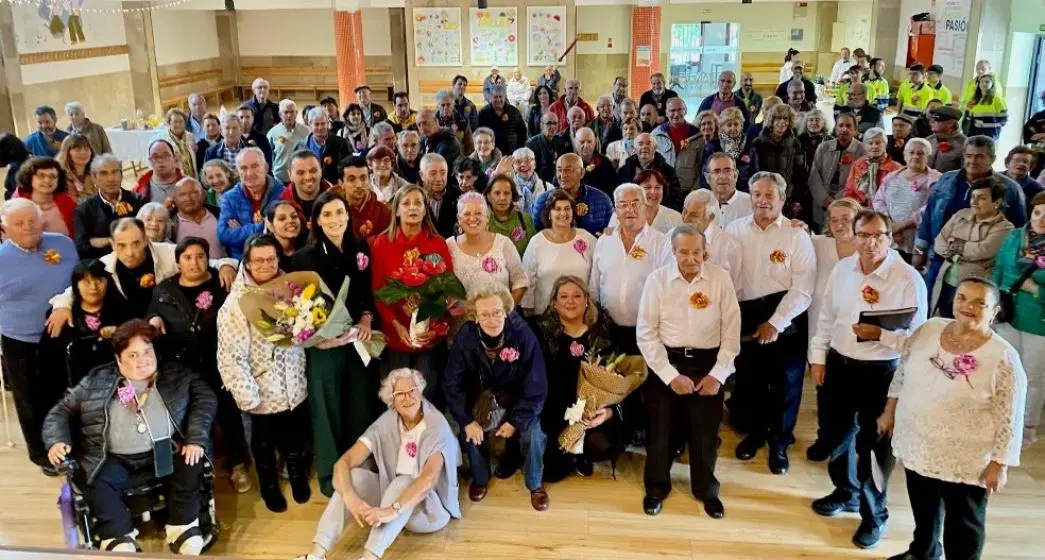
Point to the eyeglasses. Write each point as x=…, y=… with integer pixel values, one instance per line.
x=259, y=262
x=404, y=394
x=633, y=205
x=865, y=236
x=490, y=315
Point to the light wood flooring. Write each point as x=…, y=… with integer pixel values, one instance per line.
x=767, y=516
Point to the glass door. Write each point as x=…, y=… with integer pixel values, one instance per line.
x=699, y=53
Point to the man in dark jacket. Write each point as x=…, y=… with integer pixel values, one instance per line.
x=250, y=135
x=266, y=113
x=330, y=149
x=657, y=95
x=548, y=146
x=436, y=139
x=724, y=98
x=507, y=123
x=646, y=157
x=442, y=197
x=462, y=105
x=92, y=216
x=797, y=70
x=598, y=171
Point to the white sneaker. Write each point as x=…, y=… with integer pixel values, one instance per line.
x=192, y=546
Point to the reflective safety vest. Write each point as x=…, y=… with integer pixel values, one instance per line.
x=943, y=93
x=913, y=101
x=970, y=90
x=878, y=92
x=987, y=118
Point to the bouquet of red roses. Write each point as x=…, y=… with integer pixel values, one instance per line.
x=425, y=289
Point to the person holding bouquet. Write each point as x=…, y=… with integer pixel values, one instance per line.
x=412, y=278
x=689, y=333
x=496, y=386
x=571, y=328
x=341, y=387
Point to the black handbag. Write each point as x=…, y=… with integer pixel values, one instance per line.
x=1008, y=297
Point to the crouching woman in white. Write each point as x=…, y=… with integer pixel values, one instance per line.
x=415, y=485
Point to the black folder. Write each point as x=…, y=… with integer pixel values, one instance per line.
x=888, y=319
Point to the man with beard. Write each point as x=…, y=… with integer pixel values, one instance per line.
x=620, y=93
x=657, y=95
x=442, y=197
x=435, y=138
x=867, y=116
x=368, y=216
x=748, y=96
x=797, y=71
x=329, y=148
x=447, y=117
x=548, y=146
x=569, y=100
x=506, y=122
x=46, y=140
x=266, y=113
x=670, y=135
x=93, y=216
x=646, y=157
x=598, y=171
x=306, y=182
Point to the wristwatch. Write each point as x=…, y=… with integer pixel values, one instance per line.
x=397, y=507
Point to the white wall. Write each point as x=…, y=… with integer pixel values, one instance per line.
x=852, y=27
x=32, y=35
x=306, y=32
x=184, y=35
x=610, y=22
x=377, y=32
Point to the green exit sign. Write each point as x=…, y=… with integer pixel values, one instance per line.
x=1041, y=28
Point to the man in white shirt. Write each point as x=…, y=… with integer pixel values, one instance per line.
x=721, y=174
x=854, y=362
x=701, y=209
x=841, y=66
x=777, y=286
x=622, y=261
x=689, y=334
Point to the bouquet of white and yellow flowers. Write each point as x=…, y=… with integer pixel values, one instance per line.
x=602, y=382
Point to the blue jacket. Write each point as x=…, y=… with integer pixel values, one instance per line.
x=708, y=101
x=38, y=145
x=469, y=372
x=235, y=205
x=939, y=209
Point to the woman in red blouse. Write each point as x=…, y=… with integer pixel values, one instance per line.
x=411, y=235
x=42, y=180
x=868, y=172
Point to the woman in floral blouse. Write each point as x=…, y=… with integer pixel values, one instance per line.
x=956, y=412
x=505, y=217
x=482, y=257
x=903, y=194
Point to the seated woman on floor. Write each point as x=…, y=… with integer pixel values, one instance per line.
x=415, y=485
x=111, y=427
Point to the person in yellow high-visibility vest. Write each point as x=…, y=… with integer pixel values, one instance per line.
x=878, y=84
x=983, y=67
x=934, y=78
x=986, y=111
x=914, y=95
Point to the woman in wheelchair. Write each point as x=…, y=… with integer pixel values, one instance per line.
x=415, y=484
x=84, y=346
x=130, y=417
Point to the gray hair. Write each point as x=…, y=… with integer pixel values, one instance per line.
x=704, y=196
x=317, y=112
x=287, y=103
x=229, y=117
x=816, y=112
x=498, y=88
x=686, y=229
x=573, y=81
x=523, y=153
x=918, y=142
x=428, y=159
x=628, y=101
x=626, y=188
x=250, y=150
x=102, y=160
x=186, y=180
x=604, y=97
x=378, y=130
x=443, y=95
x=776, y=178
x=873, y=132
x=402, y=135
x=389, y=382
x=73, y=105
x=258, y=81
x=16, y=204
x=982, y=142
x=489, y=290
x=484, y=130
x=472, y=196
x=152, y=208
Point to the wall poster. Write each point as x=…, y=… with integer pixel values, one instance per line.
x=437, y=37
x=494, y=36
x=952, y=32
x=546, y=34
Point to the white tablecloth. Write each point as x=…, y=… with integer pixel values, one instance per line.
x=130, y=145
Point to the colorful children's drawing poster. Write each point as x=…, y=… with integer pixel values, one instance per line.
x=495, y=36
x=437, y=37
x=546, y=39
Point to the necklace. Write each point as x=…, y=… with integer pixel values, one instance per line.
x=958, y=344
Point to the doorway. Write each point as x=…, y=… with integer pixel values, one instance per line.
x=699, y=52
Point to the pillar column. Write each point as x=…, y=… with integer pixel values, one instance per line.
x=12, y=100
x=645, y=33
x=348, y=42
x=144, y=78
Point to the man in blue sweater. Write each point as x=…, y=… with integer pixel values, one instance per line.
x=46, y=140
x=243, y=206
x=34, y=267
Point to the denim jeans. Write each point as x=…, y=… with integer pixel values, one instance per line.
x=531, y=443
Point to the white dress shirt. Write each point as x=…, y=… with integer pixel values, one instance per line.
x=617, y=277
x=665, y=219
x=667, y=319
x=738, y=206
x=796, y=274
x=725, y=252
x=840, y=68
x=826, y=258
x=895, y=284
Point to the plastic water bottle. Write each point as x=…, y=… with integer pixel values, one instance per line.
x=67, y=508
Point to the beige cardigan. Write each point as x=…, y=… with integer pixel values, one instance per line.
x=975, y=243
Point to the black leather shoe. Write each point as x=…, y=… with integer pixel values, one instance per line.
x=651, y=505
x=506, y=469
x=834, y=503
x=868, y=536
x=749, y=446
x=49, y=470
x=583, y=466
x=778, y=463
x=817, y=452
x=714, y=508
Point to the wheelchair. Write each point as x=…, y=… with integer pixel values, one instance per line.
x=145, y=498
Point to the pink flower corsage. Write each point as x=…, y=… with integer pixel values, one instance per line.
x=518, y=234
x=580, y=246
x=509, y=354
x=745, y=159
x=204, y=301
x=1040, y=261
x=965, y=364
x=917, y=186
x=362, y=261
x=490, y=265
x=93, y=322
x=126, y=394
x=411, y=449
x=576, y=349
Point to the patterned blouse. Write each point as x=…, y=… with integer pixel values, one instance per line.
x=500, y=265
x=901, y=198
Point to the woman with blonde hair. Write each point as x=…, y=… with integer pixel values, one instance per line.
x=75, y=156
x=733, y=140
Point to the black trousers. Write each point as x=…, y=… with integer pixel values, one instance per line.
x=35, y=392
x=959, y=510
x=674, y=419
x=769, y=387
x=230, y=422
x=634, y=409
x=288, y=431
x=854, y=396
x=105, y=494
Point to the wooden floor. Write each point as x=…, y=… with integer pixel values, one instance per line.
x=767, y=516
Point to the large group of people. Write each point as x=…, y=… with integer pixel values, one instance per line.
x=729, y=254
